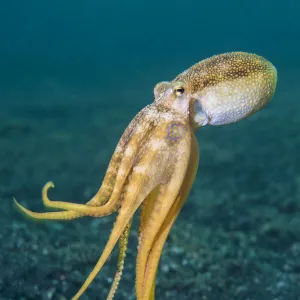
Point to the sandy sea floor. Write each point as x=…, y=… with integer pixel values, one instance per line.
x=237, y=237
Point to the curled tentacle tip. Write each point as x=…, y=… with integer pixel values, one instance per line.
x=48, y=185
x=21, y=207
x=45, y=189
x=18, y=205
x=15, y=201
x=24, y=211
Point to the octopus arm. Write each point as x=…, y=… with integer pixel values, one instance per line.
x=148, y=282
x=160, y=212
x=106, y=199
x=148, y=171
x=123, y=242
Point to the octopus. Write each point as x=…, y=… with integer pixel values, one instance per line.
x=156, y=160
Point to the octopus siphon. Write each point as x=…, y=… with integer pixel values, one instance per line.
x=155, y=162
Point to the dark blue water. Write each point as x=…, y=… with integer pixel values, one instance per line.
x=72, y=76
x=96, y=43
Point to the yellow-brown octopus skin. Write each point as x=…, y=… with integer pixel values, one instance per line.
x=156, y=159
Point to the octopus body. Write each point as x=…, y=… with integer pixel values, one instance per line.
x=156, y=159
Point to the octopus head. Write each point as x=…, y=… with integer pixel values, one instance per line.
x=220, y=90
x=172, y=95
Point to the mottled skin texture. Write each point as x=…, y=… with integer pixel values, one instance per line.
x=156, y=159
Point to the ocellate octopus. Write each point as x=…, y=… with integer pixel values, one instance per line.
x=155, y=162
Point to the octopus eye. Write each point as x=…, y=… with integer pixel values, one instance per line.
x=179, y=91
